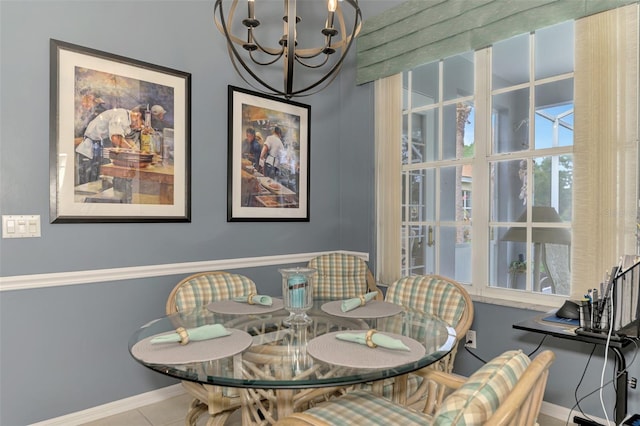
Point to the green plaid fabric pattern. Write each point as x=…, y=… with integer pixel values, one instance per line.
x=363, y=408
x=204, y=289
x=428, y=294
x=339, y=276
x=483, y=392
x=472, y=404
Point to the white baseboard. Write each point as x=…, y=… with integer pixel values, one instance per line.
x=556, y=411
x=563, y=413
x=115, y=407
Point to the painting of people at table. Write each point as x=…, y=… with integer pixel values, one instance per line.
x=120, y=127
x=270, y=158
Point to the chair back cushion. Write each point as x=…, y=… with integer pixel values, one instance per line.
x=475, y=401
x=431, y=294
x=202, y=289
x=339, y=276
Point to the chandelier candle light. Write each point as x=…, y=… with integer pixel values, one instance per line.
x=252, y=58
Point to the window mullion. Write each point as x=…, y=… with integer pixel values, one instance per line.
x=437, y=218
x=531, y=148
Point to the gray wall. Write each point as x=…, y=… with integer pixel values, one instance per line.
x=190, y=43
x=64, y=349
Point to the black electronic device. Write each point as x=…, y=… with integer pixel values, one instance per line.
x=570, y=309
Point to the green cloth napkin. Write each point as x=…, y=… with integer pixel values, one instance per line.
x=205, y=332
x=257, y=299
x=377, y=338
x=350, y=304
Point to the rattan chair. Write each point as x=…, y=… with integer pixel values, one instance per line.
x=342, y=275
x=443, y=298
x=199, y=290
x=508, y=390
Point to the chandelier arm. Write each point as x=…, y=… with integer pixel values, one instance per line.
x=342, y=41
x=222, y=27
x=298, y=60
x=234, y=55
x=310, y=53
x=273, y=90
x=268, y=50
x=276, y=59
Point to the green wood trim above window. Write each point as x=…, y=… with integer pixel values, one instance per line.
x=420, y=31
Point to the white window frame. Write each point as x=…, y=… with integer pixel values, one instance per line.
x=619, y=240
x=483, y=157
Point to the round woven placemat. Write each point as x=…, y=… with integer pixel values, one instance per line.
x=204, y=350
x=330, y=349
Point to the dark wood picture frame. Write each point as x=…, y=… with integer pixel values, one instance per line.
x=268, y=177
x=120, y=138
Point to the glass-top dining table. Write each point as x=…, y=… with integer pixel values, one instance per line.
x=276, y=369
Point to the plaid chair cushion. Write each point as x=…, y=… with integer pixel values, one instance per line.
x=475, y=401
x=339, y=276
x=206, y=288
x=364, y=408
x=428, y=294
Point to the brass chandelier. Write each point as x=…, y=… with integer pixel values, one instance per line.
x=254, y=60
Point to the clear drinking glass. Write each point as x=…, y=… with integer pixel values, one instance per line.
x=297, y=293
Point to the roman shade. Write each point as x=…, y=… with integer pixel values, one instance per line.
x=420, y=31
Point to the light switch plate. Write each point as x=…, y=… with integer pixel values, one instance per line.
x=20, y=226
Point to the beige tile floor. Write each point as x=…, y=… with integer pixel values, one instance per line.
x=165, y=413
x=172, y=411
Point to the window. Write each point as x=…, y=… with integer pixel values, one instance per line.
x=437, y=151
x=497, y=128
x=531, y=161
x=505, y=147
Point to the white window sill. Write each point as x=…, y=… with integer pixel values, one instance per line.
x=513, y=303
